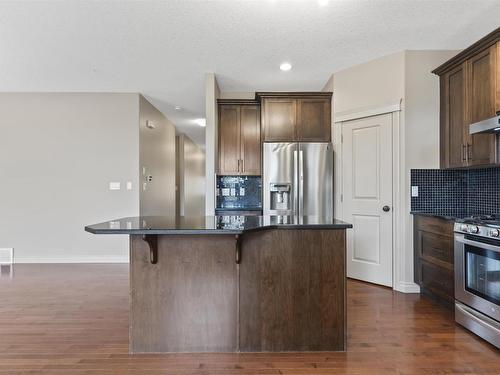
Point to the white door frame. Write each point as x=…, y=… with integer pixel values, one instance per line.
x=399, y=227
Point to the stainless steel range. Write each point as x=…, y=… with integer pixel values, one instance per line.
x=477, y=276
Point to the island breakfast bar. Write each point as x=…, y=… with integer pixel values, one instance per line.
x=235, y=283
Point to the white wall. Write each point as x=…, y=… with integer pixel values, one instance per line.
x=58, y=153
x=405, y=78
x=212, y=93
x=157, y=157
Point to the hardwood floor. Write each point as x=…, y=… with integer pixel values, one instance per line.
x=73, y=319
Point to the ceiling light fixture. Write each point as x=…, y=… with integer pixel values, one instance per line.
x=285, y=66
x=200, y=122
x=323, y=2
x=177, y=108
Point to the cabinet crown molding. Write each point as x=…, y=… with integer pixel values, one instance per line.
x=481, y=44
x=293, y=94
x=238, y=102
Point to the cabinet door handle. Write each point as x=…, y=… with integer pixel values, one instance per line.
x=238, y=165
x=464, y=153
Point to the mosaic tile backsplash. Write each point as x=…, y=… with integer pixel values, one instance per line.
x=456, y=192
x=243, y=192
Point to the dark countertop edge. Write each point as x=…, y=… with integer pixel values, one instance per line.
x=239, y=209
x=441, y=216
x=218, y=231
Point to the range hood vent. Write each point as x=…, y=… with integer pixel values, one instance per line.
x=491, y=125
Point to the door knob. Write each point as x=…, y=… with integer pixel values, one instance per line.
x=386, y=208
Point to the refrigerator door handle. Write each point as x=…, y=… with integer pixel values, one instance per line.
x=295, y=184
x=301, y=183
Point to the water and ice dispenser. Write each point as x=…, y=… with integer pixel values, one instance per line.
x=281, y=199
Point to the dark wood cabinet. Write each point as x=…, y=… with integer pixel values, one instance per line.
x=239, y=149
x=314, y=120
x=453, y=123
x=291, y=294
x=229, y=139
x=469, y=91
x=434, y=258
x=296, y=116
x=250, y=139
x=481, y=100
x=279, y=119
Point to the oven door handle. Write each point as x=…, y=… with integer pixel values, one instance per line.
x=482, y=245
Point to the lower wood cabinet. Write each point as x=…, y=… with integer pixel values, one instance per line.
x=434, y=260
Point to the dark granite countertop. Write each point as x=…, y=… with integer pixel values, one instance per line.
x=237, y=209
x=228, y=224
x=448, y=216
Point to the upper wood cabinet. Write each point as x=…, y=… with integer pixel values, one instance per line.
x=296, y=116
x=279, y=119
x=470, y=92
x=239, y=147
x=453, y=123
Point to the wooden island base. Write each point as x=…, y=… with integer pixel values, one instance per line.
x=263, y=291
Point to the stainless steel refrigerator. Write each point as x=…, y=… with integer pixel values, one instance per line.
x=298, y=179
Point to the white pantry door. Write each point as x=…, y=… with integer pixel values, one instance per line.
x=367, y=197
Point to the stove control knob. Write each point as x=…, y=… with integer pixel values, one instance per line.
x=464, y=228
x=494, y=233
x=473, y=229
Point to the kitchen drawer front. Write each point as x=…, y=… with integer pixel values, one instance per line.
x=438, y=281
x=435, y=225
x=434, y=258
x=436, y=248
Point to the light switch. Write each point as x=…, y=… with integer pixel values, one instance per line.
x=114, y=186
x=129, y=185
x=414, y=191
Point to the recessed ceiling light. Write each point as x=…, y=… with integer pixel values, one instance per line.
x=177, y=108
x=285, y=66
x=323, y=2
x=200, y=122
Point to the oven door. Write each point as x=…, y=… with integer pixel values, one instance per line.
x=477, y=274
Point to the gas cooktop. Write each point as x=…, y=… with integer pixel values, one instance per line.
x=479, y=225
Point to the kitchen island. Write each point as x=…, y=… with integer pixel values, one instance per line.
x=235, y=283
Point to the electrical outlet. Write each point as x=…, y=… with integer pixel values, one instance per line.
x=114, y=186
x=7, y=255
x=414, y=191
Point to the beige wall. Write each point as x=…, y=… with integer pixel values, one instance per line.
x=379, y=82
x=421, y=126
x=156, y=158
x=422, y=107
x=405, y=78
x=58, y=153
x=191, y=177
x=212, y=93
x=237, y=95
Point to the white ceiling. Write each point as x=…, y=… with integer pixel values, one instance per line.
x=164, y=48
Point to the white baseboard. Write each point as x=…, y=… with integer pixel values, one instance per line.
x=112, y=259
x=405, y=287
